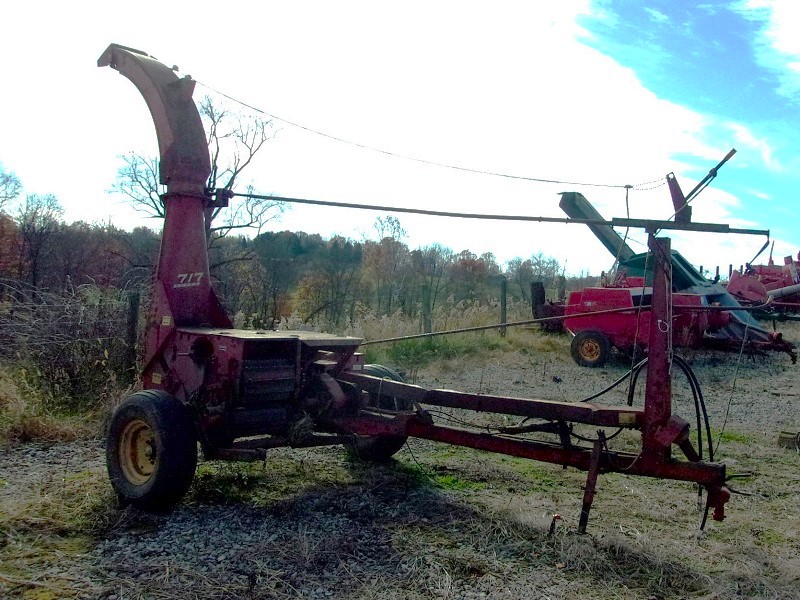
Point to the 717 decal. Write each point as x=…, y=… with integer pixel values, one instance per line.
x=188, y=280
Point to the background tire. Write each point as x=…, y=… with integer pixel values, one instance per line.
x=151, y=450
x=380, y=448
x=590, y=348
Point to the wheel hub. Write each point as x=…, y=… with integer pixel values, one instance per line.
x=137, y=452
x=590, y=350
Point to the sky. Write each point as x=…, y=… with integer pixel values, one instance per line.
x=608, y=92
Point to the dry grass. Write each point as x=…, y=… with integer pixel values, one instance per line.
x=441, y=522
x=46, y=527
x=24, y=416
x=54, y=501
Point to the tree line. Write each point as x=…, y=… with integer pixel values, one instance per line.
x=271, y=276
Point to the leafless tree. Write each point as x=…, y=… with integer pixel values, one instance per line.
x=431, y=265
x=37, y=220
x=76, y=336
x=385, y=264
x=137, y=178
x=10, y=187
x=233, y=142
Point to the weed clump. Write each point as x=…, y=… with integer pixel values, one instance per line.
x=25, y=415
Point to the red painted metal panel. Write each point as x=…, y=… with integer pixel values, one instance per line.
x=706, y=474
x=184, y=161
x=579, y=412
x=658, y=391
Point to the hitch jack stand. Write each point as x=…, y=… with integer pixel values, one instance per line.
x=591, y=480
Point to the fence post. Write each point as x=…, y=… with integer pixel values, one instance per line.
x=426, y=308
x=132, y=334
x=503, y=304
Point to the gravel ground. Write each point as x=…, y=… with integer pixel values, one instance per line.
x=380, y=534
x=27, y=468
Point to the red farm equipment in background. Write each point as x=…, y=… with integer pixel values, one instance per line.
x=705, y=312
x=239, y=393
x=775, y=285
x=594, y=318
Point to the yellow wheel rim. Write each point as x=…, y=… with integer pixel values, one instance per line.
x=590, y=350
x=137, y=452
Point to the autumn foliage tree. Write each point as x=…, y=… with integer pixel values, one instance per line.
x=386, y=267
x=327, y=291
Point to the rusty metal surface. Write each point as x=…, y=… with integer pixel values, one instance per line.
x=704, y=473
x=312, y=338
x=658, y=391
x=591, y=481
x=185, y=163
x=683, y=212
x=578, y=412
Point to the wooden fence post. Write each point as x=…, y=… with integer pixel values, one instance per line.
x=503, y=304
x=562, y=288
x=134, y=299
x=426, y=308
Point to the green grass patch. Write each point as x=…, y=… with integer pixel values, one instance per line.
x=454, y=482
x=770, y=537
x=413, y=354
x=541, y=476
x=265, y=483
x=537, y=342
x=733, y=436
x=438, y=477
x=225, y=483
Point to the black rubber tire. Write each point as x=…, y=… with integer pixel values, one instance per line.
x=381, y=448
x=590, y=348
x=151, y=450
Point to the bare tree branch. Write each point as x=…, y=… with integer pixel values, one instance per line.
x=233, y=142
x=10, y=187
x=138, y=179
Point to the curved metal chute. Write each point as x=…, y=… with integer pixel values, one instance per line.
x=185, y=164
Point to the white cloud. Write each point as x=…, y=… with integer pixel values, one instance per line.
x=656, y=16
x=778, y=45
x=743, y=137
x=759, y=194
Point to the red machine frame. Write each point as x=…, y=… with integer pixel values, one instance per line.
x=596, y=316
x=241, y=392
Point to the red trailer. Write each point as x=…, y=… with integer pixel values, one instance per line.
x=594, y=318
